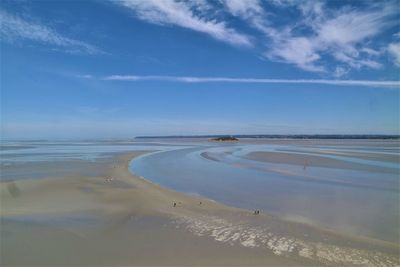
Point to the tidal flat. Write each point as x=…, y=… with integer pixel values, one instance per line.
x=114, y=205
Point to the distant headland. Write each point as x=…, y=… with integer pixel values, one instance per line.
x=279, y=136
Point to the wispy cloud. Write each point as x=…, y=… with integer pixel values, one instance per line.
x=187, y=14
x=283, y=46
x=85, y=76
x=247, y=9
x=340, y=71
x=343, y=35
x=317, y=39
x=191, y=79
x=394, y=51
x=14, y=28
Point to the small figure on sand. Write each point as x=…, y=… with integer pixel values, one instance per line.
x=174, y=204
x=200, y=203
x=256, y=212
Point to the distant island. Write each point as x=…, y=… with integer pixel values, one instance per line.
x=224, y=138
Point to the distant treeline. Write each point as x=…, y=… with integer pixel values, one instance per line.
x=225, y=138
x=282, y=136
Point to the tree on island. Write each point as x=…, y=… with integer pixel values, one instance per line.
x=225, y=138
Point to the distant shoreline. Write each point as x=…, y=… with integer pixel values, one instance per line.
x=279, y=136
x=239, y=136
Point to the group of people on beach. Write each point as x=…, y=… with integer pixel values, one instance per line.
x=174, y=204
x=256, y=212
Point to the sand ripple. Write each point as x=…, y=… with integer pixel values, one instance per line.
x=249, y=236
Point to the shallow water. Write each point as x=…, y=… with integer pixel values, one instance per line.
x=363, y=200
x=22, y=152
x=41, y=159
x=361, y=197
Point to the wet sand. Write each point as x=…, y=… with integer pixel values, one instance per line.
x=83, y=220
x=53, y=169
x=311, y=160
x=368, y=156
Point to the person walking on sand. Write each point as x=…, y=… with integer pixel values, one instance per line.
x=174, y=204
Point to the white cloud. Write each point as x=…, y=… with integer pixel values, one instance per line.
x=350, y=27
x=252, y=12
x=191, y=79
x=342, y=34
x=296, y=50
x=186, y=14
x=370, y=51
x=318, y=39
x=356, y=62
x=283, y=47
x=244, y=8
x=13, y=28
x=340, y=72
x=394, y=51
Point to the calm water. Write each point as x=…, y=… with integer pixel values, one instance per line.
x=362, y=200
x=362, y=197
x=41, y=159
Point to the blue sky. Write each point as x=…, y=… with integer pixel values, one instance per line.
x=107, y=69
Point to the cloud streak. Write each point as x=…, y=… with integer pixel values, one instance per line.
x=191, y=79
x=186, y=14
x=317, y=38
x=14, y=28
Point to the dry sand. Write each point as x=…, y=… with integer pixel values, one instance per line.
x=128, y=221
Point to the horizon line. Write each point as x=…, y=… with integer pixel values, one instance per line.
x=272, y=136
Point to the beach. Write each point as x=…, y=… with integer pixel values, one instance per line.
x=117, y=218
x=200, y=133
x=307, y=181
